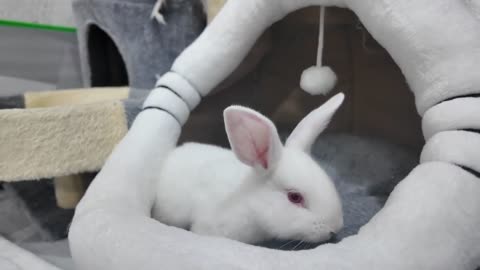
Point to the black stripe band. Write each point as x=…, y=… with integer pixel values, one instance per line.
x=176, y=94
x=184, y=79
x=462, y=96
x=470, y=170
x=474, y=130
x=474, y=95
x=163, y=110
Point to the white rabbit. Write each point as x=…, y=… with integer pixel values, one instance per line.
x=261, y=190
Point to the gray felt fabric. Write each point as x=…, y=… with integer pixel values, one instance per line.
x=17, y=224
x=36, y=200
x=365, y=171
x=147, y=47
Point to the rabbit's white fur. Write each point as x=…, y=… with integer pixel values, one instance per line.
x=243, y=194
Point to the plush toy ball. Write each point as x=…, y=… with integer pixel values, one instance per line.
x=318, y=80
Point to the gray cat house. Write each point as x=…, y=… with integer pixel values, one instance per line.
x=120, y=44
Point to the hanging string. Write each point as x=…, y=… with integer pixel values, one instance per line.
x=319, y=79
x=321, y=35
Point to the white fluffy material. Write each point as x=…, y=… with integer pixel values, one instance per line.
x=189, y=94
x=423, y=38
x=228, y=39
x=474, y=5
x=456, y=147
x=234, y=193
x=413, y=231
x=461, y=113
x=429, y=222
x=169, y=101
x=305, y=133
x=318, y=80
x=428, y=41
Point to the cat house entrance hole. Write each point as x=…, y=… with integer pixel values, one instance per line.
x=106, y=63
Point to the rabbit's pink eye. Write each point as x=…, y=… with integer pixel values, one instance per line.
x=296, y=198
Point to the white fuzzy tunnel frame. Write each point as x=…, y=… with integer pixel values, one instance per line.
x=432, y=218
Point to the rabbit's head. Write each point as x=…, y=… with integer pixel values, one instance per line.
x=287, y=194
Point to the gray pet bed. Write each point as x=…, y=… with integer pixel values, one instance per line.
x=117, y=51
x=365, y=170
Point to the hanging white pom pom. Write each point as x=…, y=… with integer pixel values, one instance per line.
x=318, y=80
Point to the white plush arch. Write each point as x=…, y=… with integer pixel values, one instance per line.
x=430, y=220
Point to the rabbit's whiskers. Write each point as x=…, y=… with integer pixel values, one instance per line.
x=286, y=244
x=297, y=245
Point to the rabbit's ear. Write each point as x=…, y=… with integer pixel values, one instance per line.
x=305, y=133
x=253, y=137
